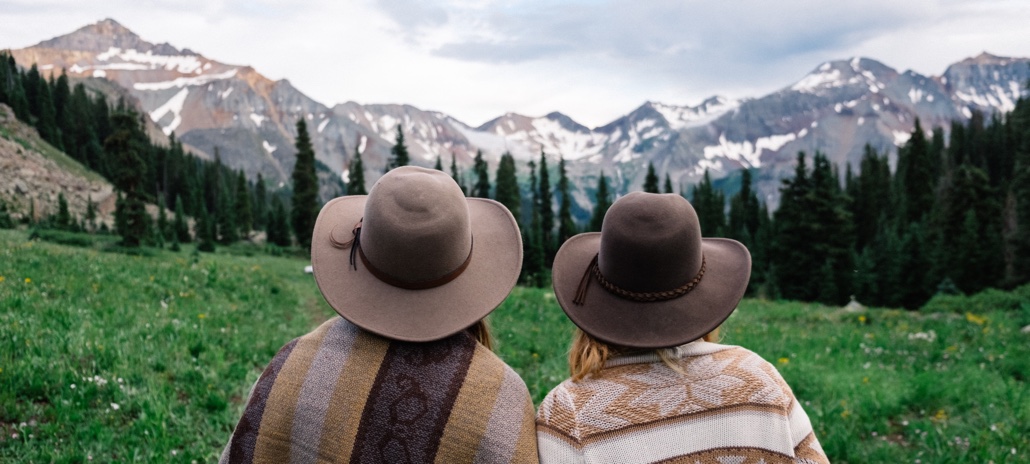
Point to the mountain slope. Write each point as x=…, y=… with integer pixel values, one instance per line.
x=837, y=108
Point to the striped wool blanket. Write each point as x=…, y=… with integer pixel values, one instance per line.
x=341, y=394
x=727, y=405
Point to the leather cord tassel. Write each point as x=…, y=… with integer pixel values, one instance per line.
x=584, y=283
x=356, y=246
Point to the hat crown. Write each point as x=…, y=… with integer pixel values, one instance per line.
x=650, y=242
x=416, y=225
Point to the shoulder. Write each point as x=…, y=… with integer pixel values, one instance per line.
x=765, y=381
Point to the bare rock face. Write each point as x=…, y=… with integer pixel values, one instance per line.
x=33, y=175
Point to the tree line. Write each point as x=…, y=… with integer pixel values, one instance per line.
x=952, y=216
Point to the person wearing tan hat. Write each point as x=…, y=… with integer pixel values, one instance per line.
x=406, y=374
x=648, y=384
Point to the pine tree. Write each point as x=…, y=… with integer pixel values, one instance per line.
x=871, y=197
x=651, y=180
x=456, y=175
x=163, y=232
x=668, y=184
x=399, y=153
x=602, y=202
x=507, y=192
x=710, y=205
x=63, y=221
x=545, y=204
x=356, y=175
x=91, y=214
x=180, y=228
x=566, y=226
x=123, y=147
x=244, y=213
x=205, y=230
x=533, y=261
x=225, y=217
x=744, y=211
x=439, y=164
x=260, y=203
x=278, y=225
x=304, y=208
x=915, y=177
x=481, y=188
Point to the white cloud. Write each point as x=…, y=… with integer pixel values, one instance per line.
x=594, y=60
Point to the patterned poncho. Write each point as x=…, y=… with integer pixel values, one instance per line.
x=727, y=405
x=341, y=394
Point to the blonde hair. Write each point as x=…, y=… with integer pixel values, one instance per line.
x=480, y=331
x=588, y=354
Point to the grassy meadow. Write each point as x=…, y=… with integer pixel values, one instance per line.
x=108, y=357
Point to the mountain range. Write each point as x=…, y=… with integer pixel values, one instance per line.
x=250, y=120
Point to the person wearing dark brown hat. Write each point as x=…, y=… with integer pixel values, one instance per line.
x=406, y=374
x=648, y=385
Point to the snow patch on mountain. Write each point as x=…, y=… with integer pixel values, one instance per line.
x=268, y=147
x=185, y=64
x=184, y=81
x=257, y=118
x=815, y=81
x=173, y=105
x=746, y=151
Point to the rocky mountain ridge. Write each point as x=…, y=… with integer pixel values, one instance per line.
x=836, y=108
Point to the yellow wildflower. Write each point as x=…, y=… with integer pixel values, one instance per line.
x=784, y=360
x=28, y=280
x=201, y=316
x=845, y=414
x=941, y=416
x=865, y=379
x=1, y=278
x=978, y=320
x=861, y=319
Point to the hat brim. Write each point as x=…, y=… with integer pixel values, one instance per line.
x=660, y=324
x=418, y=315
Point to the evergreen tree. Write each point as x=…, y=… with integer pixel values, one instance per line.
x=710, y=205
x=744, y=211
x=602, y=202
x=63, y=221
x=304, y=209
x=439, y=164
x=456, y=175
x=163, y=232
x=225, y=216
x=796, y=266
x=180, y=228
x=481, y=188
x=507, y=192
x=399, y=153
x=871, y=197
x=651, y=180
x=205, y=230
x=545, y=204
x=278, y=225
x=533, y=261
x=915, y=177
x=260, y=203
x=91, y=214
x=566, y=226
x=244, y=213
x=668, y=184
x=123, y=147
x=356, y=175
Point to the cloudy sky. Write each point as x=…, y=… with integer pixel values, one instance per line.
x=593, y=60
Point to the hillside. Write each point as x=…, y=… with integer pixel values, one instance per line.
x=34, y=173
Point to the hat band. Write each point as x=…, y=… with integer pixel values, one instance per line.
x=355, y=248
x=422, y=284
x=642, y=297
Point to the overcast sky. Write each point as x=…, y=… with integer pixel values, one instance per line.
x=593, y=60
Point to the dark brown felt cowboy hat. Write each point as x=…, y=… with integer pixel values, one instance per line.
x=648, y=279
x=415, y=260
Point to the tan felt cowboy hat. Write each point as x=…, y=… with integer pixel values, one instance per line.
x=648, y=279
x=414, y=260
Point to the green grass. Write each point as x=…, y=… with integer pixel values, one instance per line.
x=176, y=340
